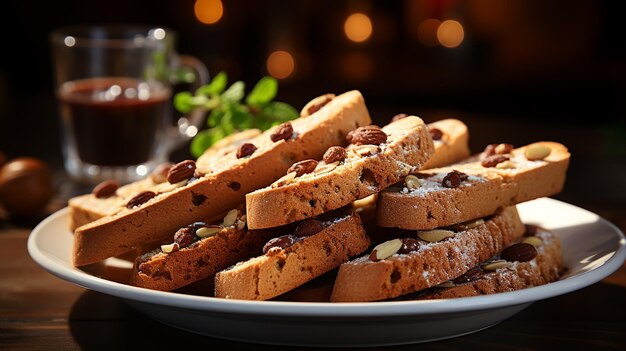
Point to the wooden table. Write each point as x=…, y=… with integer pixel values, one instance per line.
x=40, y=311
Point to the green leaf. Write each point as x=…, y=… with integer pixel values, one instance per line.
x=215, y=87
x=263, y=92
x=227, y=123
x=234, y=93
x=215, y=117
x=204, y=140
x=183, y=102
x=241, y=117
x=280, y=111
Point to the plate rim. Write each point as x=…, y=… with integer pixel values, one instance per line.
x=326, y=309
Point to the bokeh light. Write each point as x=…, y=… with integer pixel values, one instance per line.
x=358, y=27
x=280, y=64
x=427, y=32
x=208, y=11
x=450, y=33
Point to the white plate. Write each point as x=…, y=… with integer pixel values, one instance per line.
x=593, y=248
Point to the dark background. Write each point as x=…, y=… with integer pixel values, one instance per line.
x=525, y=71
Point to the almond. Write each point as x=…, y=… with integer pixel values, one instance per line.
x=506, y=165
x=386, y=249
x=206, y=232
x=522, y=252
x=316, y=104
x=533, y=240
x=495, y=265
x=435, y=235
x=537, y=152
x=181, y=171
x=105, y=189
x=230, y=218
x=169, y=248
x=412, y=182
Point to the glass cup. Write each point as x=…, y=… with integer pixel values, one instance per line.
x=114, y=87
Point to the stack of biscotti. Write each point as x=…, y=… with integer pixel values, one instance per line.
x=454, y=218
x=198, y=253
x=376, y=158
x=208, y=190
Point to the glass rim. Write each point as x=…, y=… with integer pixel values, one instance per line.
x=112, y=36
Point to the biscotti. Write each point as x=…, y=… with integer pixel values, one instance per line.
x=451, y=139
x=90, y=207
x=536, y=260
x=221, y=183
x=375, y=159
x=443, y=196
x=424, y=259
x=291, y=261
x=198, y=251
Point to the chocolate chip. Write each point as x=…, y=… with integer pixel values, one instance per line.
x=283, y=132
x=493, y=160
x=398, y=117
x=245, y=149
x=303, y=167
x=185, y=237
x=281, y=242
x=453, y=179
x=409, y=245
x=181, y=171
x=140, y=198
x=368, y=136
x=105, y=189
x=521, y=252
x=334, y=154
x=470, y=276
x=308, y=227
x=435, y=133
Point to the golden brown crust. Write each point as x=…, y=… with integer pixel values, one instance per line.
x=434, y=263
x=453, y=146
x=544, y=269
x=166, y=272
x=265, y=277
x=87, y=208
x=486, y=190
x=226, y=181
x=408, y=144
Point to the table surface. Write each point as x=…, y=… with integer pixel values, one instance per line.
x=40, y=311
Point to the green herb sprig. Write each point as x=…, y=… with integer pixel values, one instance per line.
x=228, y=114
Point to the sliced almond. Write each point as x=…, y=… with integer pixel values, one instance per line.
x=536, y=152
x=366, y=150
x=412, y=182
x=169, y=248
x=286, y=179
x=533, y=240
x=505, y=165
x=435, y=235
x=495, y=265
x=206, y=232
x=386, y=249
x=230, y=218
x=323, y=167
